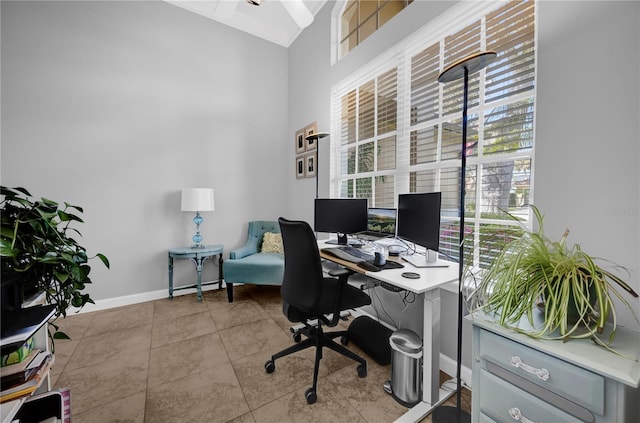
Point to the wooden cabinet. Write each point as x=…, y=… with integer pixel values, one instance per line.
x=520, y=379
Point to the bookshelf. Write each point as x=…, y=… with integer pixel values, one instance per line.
x=17, y=327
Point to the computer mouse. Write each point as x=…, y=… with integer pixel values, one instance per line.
x=379, y=259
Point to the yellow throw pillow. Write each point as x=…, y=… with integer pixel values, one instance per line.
x=272, y=243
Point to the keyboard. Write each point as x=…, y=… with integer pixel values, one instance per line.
x=356, y=253
x=349, y=254
x=343, y=253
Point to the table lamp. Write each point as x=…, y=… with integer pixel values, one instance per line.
x=197, y=200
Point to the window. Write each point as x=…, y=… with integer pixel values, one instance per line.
x=361, y=18
x=400, y=129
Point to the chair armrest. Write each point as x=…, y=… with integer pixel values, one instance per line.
x=336, y=273
x=246, y=250
x=343, y=276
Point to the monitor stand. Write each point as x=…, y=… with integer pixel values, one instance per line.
x=342, y=240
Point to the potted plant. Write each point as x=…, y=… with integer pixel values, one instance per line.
x=533, y=274
x=38, y=252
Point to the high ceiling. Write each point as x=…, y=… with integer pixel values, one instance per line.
x=271, y=20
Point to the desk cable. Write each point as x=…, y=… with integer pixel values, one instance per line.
x=373, y=303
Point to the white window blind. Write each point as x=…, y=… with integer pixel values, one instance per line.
x=400, y=130
x=368, y=140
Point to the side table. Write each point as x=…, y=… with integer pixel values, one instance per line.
x=198, y=256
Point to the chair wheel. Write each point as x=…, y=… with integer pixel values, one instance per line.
x=297, y=337
x=344, y=340
x=310, y=395
x=362, y=370
x=270, y=366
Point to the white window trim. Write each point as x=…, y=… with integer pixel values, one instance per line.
x=457, y=17
x=336, y=30
x=399, y=56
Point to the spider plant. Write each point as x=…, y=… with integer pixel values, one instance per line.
x=534, y=274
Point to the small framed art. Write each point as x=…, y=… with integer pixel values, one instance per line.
x=301, y=143
x=310, y=165
x=310, y=130
x=300, y=166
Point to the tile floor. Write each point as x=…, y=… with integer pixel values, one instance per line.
x=188, y=361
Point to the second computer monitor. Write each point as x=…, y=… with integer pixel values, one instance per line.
x=382, y=221
x=419, y=219
x=341, y=216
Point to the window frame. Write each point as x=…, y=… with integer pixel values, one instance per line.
x=400, y=57
x=337, y=37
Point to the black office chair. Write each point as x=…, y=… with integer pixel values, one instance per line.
x=308, y=297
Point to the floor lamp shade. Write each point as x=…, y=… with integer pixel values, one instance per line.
x=197, y=200
x=461, y=69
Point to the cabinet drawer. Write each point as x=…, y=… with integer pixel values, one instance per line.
x=574, y=383
x=486, y=419
x=505, y=403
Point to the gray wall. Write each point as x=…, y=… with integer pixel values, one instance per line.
x=115, y=106
x=587, y=131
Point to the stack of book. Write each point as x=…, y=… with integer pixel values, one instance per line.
x=22, y=379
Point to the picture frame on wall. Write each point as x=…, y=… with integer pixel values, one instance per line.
x=301, y=144
x=300, y=167
x=310, y=130
x=310, y=165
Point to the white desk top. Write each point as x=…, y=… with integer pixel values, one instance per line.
x=430, y=278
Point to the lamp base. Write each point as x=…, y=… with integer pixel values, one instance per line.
x=448, y=414
x=197, y=238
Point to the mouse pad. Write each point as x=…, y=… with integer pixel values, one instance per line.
x=391, y=265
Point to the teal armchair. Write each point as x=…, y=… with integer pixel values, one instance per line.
x=249, y=265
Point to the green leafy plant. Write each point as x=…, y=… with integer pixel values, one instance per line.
x=39, y=253
x=533, y=274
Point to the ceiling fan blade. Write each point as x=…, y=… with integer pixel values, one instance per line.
x=299, y=12
x=225, y=8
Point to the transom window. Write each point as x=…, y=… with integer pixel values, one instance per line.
x=400, y=129
x=362, y=18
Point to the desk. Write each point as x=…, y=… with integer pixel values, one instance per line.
x=429, y=283
x=198, y=256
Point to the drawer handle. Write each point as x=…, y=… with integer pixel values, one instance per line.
x=516, y=415
x=518, y=363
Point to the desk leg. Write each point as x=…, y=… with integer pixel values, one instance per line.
x=431, y=358
x=170, y=277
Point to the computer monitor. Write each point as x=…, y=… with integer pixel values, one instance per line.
x=419, y=220
x=381, y=221
x=341, y=216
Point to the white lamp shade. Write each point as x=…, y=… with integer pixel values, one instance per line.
x=197, y=199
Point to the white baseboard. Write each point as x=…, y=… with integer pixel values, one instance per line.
x=448, y=366
x=138, y=298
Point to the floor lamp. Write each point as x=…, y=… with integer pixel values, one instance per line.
x=461, y=69
x=316, y=137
